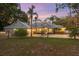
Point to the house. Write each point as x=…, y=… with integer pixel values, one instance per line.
x=37, y=27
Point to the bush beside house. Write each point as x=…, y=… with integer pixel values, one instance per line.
x=20, y=32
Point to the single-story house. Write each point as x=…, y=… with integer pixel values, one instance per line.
x=36, y=27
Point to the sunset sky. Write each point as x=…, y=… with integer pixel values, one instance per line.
x=44, y=10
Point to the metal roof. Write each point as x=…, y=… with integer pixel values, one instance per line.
x=18, y=24
x=48, y=25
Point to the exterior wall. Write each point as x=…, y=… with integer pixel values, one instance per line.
x=9, y=32
x=39, y=30
x=35, y=31
x=3, y=34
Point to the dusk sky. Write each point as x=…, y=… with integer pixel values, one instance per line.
x=44, y=10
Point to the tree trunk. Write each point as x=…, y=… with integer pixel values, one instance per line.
x=48, y=33
x=31, y=24
x=75, y=37
x=8, y=34
x=36, y=26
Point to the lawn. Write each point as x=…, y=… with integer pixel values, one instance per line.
x=39, y=47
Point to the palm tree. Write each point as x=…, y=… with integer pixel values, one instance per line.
x=36, y=18
x=31, y=13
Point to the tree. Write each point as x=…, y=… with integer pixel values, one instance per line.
x=74, y=32
x=6, y=11
x=9, y=13
x=23, y=17
x=52, y=18
x=31, y=13
x=36, y=18
x=67, y=21
x=73, y=8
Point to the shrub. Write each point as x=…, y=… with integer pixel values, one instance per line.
x=21, y=32
x=74, y=32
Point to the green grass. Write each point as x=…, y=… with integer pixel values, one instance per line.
x=52, y=41
x=38, y=46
